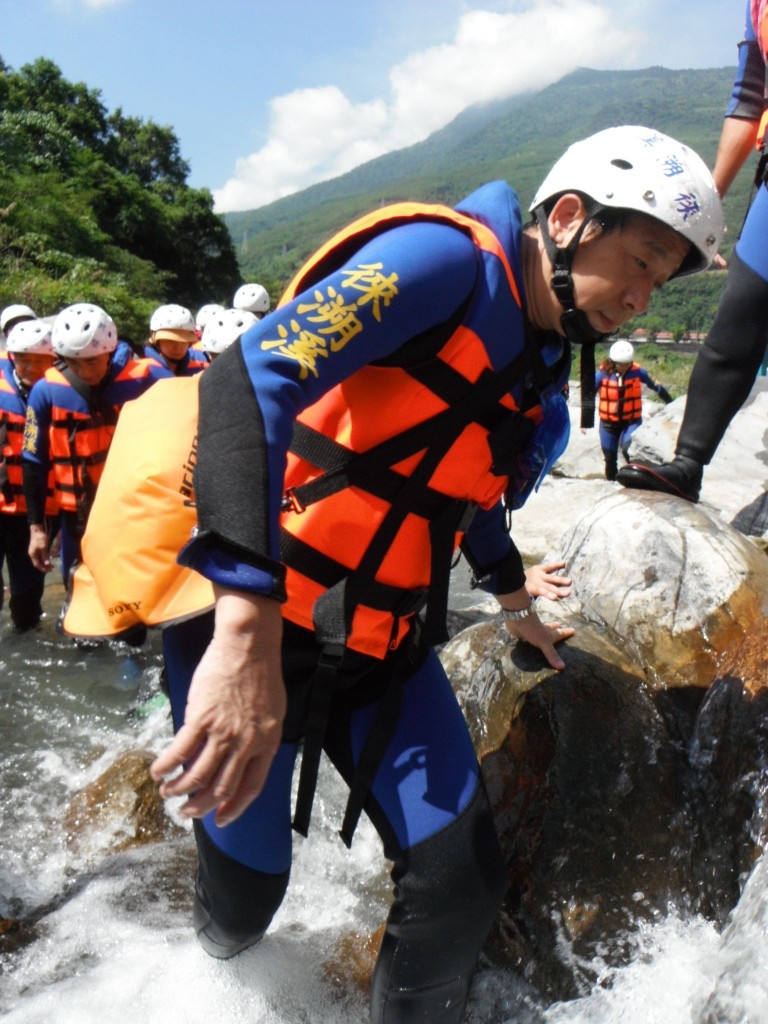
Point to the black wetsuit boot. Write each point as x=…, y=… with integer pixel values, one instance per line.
x=611, y=464
x=448, y=890
x=720, y=383
x=234, y=904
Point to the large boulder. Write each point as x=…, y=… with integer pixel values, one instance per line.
x=630, y=781
x=669, y=580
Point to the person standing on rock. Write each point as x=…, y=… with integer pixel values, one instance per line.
x=728, y=363
x=619, y=387
x=403, y=397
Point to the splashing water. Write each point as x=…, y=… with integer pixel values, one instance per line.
x=114, y=941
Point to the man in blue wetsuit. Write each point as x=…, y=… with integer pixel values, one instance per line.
x=735, y=347
x=406, y=392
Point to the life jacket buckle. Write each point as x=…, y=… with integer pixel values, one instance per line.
x=291, y=503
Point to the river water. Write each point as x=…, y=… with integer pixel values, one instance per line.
x=114, y=943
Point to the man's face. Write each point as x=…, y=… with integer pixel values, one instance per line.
x=173, y=350
x=31, y=367
x=615, y=273
x=91, y=371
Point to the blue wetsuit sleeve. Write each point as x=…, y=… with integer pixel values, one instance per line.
x=747, y=96
x=496, y=563
x=35, y=454
x=400, y=284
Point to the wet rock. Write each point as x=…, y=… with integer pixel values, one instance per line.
x=632, y=781
x=121, y=809
x=669, y=580
x=584, y=782
x=15, y=934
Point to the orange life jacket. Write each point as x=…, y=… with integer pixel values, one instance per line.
x=79, y=441
x=621, y=399
x=12, y=422
x=386, y=469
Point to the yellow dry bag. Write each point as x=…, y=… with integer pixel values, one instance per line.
x=142, y=516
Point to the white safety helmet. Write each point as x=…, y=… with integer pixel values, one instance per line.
x=173, y=322
x=252, y=297
x=206, y=313
x=622, y=352
x=31, y=337
x=82, y=331
x=641, y=169
x=17, y=311
x=222, y=330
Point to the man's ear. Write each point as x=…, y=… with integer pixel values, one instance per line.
x=565, y=218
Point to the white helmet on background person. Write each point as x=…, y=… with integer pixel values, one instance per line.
x=223, y=330
x=205, y=313
x=641, y=169
x=622, y=352
x=252, y=297
x=82, y=331
x=172, y=322
x=31, y=337
x=15, y=312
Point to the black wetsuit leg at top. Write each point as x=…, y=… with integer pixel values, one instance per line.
x=727, y=365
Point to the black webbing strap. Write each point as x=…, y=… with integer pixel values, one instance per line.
x=381, y=732
x=587, y=380
x=323, y=686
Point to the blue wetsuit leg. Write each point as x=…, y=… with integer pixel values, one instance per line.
x=261, y=837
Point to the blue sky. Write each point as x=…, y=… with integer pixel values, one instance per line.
x=269, y=96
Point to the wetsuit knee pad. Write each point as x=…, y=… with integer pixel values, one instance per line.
x=448, y=890
x=234, y=904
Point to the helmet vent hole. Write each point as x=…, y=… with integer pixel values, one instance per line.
x=623, y=165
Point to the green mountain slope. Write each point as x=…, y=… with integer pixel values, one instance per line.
x=517, y=140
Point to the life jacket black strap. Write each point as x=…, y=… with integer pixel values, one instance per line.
x=323, y=687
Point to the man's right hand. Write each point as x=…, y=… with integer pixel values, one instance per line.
x=38, y=547
x=235, y=709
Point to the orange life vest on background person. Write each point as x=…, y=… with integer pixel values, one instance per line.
x=621, y=399
x=393, y=414
x=12, y=424
x=79, y=440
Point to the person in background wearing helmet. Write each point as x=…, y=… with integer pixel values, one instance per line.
x=173, y=341
x=402, y=398
x=12, y=315
x=30, y=354
x=204, y=314
x=735, y=347
x=223, y=329
x=619, y=386
x=71, y=416
x=253, y=298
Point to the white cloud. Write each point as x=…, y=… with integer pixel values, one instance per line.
x=317, y=134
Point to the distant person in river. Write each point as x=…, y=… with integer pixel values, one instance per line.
x=71, y=416
x=735, y=347
x=29, y=356
x=405, y=395
x=173, y=341
x=253, y=298
x=619, y=387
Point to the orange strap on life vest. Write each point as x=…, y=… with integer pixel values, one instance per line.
x=141, y=517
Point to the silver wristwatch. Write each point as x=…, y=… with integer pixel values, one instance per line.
x=521, y=613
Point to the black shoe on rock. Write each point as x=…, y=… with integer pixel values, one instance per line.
x=681, y=478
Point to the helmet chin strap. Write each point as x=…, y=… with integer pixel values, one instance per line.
x=574, y=322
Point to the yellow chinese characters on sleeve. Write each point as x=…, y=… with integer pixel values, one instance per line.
x=31, y=432
x=327, y=324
